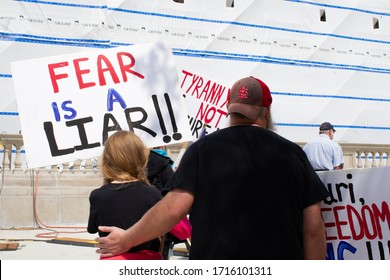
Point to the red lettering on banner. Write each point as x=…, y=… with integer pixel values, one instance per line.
x=206, y=90
x=80, y=72
x=340, y=223
x=384, y=215
x=369, y=222
x=197, y=82
x=102, y=80
x=329, y=224
x=186, y=73
x=127, y=67
x=352, y=215
x=54, y=77
x=207, y=113
x=103, y=65
x=215, y=93
x=361, y=223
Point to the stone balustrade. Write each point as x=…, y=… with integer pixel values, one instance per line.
x=363, y=155
x=12, y=157
x=355, y=156
x=58, y=195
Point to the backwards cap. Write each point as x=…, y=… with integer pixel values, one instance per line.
x=247, y=96
x=326, y=126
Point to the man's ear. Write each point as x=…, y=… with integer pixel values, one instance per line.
x=267, y=114
x=267, y=118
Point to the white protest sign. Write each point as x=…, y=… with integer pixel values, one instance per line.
x=357, y=214
x=70, y=104
x=206, y=101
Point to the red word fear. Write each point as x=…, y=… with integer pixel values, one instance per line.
x=82, y=69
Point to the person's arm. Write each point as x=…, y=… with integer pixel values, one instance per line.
x=165, y=176
x=341, y=166
x=92, y=226
x=155, y=223
x=338, y=158
x=314, y=237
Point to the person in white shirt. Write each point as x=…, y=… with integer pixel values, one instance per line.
x=324, y=153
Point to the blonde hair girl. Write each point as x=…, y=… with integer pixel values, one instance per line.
x=124, y=159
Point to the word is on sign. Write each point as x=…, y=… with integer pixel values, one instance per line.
x=80, y=99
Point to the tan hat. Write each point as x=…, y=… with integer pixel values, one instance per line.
x=247, y=96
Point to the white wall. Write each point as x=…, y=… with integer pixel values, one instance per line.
x=335, y=70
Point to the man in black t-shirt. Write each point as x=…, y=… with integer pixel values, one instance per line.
x=250, y=193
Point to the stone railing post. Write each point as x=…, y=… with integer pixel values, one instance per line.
x=18, y=155
x=7, y=155
x=8, y=141
x=359, y=160
x=374, y=163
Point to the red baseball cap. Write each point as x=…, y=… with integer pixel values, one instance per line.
x=247, y=96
